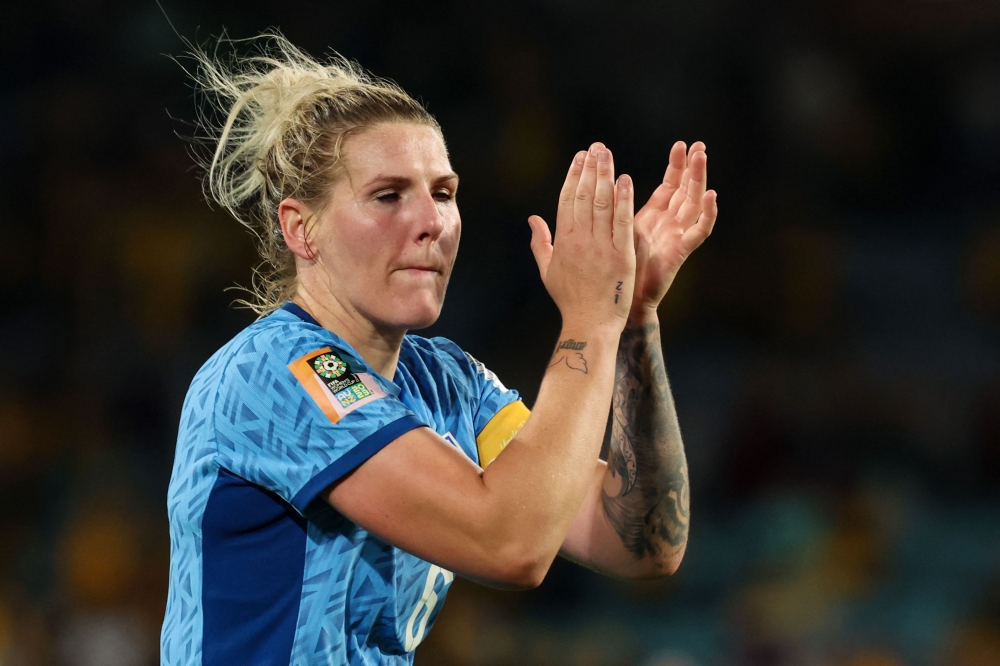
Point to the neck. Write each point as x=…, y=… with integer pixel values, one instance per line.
x=378, y=346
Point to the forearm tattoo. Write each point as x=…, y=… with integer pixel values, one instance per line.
x=570, y=353
x=646, y=497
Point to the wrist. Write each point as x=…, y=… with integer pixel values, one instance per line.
x=642, y=316
x=587, y=324
x=574, y=336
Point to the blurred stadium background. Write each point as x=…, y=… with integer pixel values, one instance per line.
x=833, y=348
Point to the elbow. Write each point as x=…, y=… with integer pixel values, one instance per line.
x=668, y=561
x=521, y=568
x=520, y=581
x=530, y=574
x=517, y=551
x=668, y=566
x=660, y=565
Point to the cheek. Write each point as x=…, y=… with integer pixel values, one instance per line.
x=357, y=245
x=452, y=232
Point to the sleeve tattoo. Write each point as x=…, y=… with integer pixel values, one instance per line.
x=646, y=495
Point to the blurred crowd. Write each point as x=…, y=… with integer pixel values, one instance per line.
x=833, y=348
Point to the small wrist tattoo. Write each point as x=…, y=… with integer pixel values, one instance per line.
x=568, y=353
x=618, y=290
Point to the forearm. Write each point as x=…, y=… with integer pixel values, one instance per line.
x=645, y=493
x=503, y=525
x=544, y=474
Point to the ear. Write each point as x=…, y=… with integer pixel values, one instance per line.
x=293, y=215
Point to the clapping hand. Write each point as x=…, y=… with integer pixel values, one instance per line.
x=589, y=267
x=678, y=217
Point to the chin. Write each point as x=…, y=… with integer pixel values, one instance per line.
x=418, y=325
x=416, y=312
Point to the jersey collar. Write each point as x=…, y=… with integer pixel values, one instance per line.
x=297, y=310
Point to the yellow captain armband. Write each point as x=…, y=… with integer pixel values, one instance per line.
x=500, y=430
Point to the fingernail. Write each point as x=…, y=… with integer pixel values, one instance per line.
x=593, y=149
x=624, y=182
x=580, y=156
x=603, y=156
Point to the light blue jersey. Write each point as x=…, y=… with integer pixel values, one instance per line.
x=262, y=569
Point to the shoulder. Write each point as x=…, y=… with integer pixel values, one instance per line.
x=435, y=355
x=283, y=338
x=271, y=343
x=443, y=355
x=432, y=350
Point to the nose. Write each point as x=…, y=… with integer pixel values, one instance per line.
x=428, y=223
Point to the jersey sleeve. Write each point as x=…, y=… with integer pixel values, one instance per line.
x=499, y=413
x=295, y=418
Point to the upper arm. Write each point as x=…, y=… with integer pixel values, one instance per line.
x=425, y=496
x=286, y=427
x=335, y=432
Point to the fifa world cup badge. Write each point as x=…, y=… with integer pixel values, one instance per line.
x=335, y=386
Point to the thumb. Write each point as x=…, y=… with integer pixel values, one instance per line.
x=541, y=243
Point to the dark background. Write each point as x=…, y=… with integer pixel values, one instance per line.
x=833, y=347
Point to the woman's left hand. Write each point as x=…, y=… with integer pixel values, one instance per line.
x=678, y=217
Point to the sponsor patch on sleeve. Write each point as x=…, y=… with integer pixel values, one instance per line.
x=501, y=429
x=330, y=381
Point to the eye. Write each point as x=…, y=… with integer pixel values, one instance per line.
x=387, y=197
x=444, y=195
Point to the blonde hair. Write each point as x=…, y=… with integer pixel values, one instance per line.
x=286, y=116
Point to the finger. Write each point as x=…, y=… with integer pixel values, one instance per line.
x=675, y=167
x=583, y=204
x=624, y=209
x=676, y=163
x=697, y=234
x=691, y=208
x=604, y=194
x=564, y=215
x=696, y=147
x=541, y=244
x=698, y=174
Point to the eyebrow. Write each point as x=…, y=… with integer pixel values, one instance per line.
x=400, y=180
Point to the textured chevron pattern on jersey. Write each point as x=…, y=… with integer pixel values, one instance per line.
x=361, y=600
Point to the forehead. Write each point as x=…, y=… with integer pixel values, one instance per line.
x=396, y=149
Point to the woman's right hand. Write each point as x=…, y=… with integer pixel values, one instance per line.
x=590, y=268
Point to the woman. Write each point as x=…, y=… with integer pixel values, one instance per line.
x=332, y=472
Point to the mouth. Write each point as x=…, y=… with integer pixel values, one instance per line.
x=419, y=269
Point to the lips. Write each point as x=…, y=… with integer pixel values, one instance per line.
x=425, y=268
x=430, y=263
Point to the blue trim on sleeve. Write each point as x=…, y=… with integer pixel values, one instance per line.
x=348, y=462
x=297, y=310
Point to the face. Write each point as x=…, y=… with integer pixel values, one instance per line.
x=386, y=242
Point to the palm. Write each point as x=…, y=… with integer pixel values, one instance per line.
x=678, y=217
